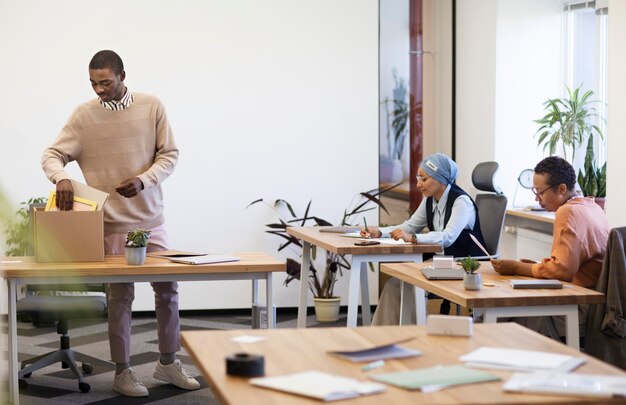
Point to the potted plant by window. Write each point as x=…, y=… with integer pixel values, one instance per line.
x=471, y=280
x=19, y=231
x=592, y=180
x=567, y=120
x=321, y=282
x=136, y=244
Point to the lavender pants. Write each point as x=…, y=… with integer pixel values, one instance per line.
x=121, y=296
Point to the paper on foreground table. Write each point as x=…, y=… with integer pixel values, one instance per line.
x=548, y=382
x=316, y=384
x=521, y=360
x=434, y=378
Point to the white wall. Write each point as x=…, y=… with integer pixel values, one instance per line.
x=616, y=141
x=271, y=99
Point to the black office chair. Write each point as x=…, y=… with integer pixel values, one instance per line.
x=62, y=303
x=491, y=206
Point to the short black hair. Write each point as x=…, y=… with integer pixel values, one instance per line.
x=107, y=60
x=558, y=171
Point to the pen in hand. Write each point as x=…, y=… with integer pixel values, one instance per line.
x=367, y=230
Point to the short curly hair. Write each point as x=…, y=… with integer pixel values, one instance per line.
x=558, y=171
x=107, y=60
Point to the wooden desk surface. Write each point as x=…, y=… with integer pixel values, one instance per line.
x=500, y=295
x=334, y=242
x=541, y=216
x=116, y=265
x=295, y=350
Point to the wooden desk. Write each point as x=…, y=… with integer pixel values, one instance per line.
x=252, y=266
x=499, y=301
x=361, y=255
x=294, y=350
x=541, y=216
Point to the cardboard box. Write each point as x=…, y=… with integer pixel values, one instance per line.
x=68, y=236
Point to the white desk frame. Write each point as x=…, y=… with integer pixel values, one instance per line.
x=358, y=273
x=14, y=283
x=492, y=314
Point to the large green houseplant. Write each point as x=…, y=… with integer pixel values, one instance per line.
x=567, y=122
x=18, y=230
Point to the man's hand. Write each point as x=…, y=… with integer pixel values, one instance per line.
x=374, y=232
x=505, y=267
x=398, y=234
x=130, y=187
x=65, y=195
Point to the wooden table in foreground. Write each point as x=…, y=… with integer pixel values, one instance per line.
x=24, y=270
x=361, y=255
x=295, y=350
x=496, y=299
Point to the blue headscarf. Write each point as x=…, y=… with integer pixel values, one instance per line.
x=441, y=168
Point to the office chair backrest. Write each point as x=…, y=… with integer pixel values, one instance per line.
x=491, y=206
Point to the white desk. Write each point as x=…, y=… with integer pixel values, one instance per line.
x=252, y=266
x=361, y=255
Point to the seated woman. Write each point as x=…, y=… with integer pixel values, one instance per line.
x=581, y=231
x=450, y=215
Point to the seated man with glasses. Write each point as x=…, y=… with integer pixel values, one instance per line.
x=450, y=215
x=581, y=231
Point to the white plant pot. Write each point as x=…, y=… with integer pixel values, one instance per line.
x=135, y=255
x=472, y=281
x=327, y=309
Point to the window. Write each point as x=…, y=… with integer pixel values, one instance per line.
x=585, y=57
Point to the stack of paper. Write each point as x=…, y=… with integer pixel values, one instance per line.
x=392, y=351
x=316, y=384
x=522, y=360
x=567, y=384
x=434, y=378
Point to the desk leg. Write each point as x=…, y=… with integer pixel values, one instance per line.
x=255, y=298
x=421, y=305
x=366, y=311
x=572, y=333
x=304, y=283
x=269, y=301
x=14, y=393
x=353, y=292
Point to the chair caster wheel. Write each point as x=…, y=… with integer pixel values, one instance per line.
x=84, y=387
x=22, y=384
x=87, y=368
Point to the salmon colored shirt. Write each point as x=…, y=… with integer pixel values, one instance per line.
x=581, y=231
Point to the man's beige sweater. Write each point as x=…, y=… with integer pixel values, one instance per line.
x=113, y=146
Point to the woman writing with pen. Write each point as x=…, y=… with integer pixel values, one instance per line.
x=447, y=211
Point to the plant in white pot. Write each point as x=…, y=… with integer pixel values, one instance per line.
x=471, y=279
x=321, y=282
x=136, y=245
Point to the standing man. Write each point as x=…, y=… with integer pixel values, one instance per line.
x=124, y=145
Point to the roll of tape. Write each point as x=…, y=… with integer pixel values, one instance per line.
x=245, y=365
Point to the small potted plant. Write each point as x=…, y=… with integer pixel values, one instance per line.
x=136, y=243
x=471, y=280
x=592, y=179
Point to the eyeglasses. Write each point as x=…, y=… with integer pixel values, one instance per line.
x=422, y=178
x=540, y=193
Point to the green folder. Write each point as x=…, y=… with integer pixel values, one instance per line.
x=434, y=377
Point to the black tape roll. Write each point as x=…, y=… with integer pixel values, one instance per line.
x=245, y=365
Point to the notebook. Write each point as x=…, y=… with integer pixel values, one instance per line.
x=391, y=351
x=319, y=385
x=442, y=274
x=530, y=284
x=434, y=378
x=559, y=383
x=204, y=259
x=520, y=360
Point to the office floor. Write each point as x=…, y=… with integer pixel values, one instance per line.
x=53, y=385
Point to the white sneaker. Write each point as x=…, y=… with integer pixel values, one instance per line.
x=176, y=374
x=128, y=384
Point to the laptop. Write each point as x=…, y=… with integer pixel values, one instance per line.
x=340, y=229
x=442, y=274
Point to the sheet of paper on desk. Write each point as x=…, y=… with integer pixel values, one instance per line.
x=434, y=378
x=521, y=360
x=392, y=351
x=549, y=382
x=204, y=259
x=316, y=384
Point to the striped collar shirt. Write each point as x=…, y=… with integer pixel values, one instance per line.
x=115, y=105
